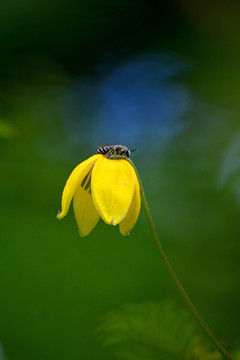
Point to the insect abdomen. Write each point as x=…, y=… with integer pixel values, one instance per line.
x=104, y=149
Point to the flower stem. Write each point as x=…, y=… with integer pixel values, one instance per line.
x=183, y=293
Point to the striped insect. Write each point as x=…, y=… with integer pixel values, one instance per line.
x=114, y=151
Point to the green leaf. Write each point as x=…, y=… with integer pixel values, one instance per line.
x=153, y=331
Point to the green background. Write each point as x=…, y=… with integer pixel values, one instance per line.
x=55, y=58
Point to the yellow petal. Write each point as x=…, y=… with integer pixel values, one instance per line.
x=127, y=224
x=73, y=182
x=112, y=188
x=85, y=211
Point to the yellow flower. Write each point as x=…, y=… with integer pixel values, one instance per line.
x=106, y=186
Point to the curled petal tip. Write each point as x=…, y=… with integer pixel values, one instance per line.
x=124, y=233
x=59, y=216
x=82, y=235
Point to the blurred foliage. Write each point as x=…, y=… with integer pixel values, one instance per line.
x=236, y=355
x=7, y=131
x=160, y=76
x=151, y=331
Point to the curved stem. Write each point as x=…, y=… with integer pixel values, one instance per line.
x=183, y=293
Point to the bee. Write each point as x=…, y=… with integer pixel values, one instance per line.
x=114, y=151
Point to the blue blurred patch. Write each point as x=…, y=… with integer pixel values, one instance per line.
x=136, y=101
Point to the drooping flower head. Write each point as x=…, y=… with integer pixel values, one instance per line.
x=106, y=186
